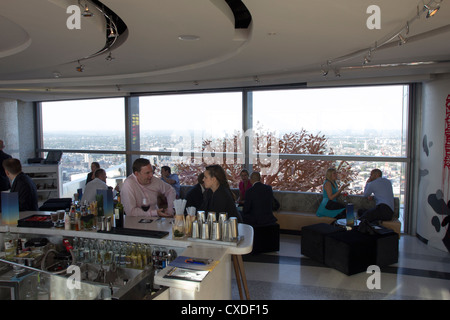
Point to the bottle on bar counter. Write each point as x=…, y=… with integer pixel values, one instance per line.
x=118, y=213
x=10, y=245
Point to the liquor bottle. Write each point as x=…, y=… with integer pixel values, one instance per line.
x=42, y=288
x=10, y=248
x=118, y=213
x=67, y=221
x=100, y=211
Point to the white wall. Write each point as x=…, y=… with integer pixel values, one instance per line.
x=17, y=128
x=434, y=182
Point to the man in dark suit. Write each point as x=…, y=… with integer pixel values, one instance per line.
x=194, y=197
x=22, y=184
x=4, y=181
x=258, y=203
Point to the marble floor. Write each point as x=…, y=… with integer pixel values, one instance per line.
x=422, y=273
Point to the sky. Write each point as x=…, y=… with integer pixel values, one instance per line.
x=322, y=109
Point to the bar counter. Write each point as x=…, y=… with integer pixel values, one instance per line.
x=217, y=284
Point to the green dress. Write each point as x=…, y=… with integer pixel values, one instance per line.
x=322, y=211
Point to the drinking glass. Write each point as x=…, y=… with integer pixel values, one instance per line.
x=145, y=205
x=61, y=214
x=54, y=216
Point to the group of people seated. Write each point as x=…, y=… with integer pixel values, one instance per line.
x=141, y=190
x=377, y=187
x=143, y=194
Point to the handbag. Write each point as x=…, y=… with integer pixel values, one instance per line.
x=334, y=205
x=366, y=227
x=372, y=228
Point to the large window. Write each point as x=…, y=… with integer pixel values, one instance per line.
x=365, y=121
x=353, y=129
x=95, y=126
x=299, y=133
x=187, y=131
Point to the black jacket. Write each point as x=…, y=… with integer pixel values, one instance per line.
x=4, y=180
x=220, y=201
x=25, y=187
x=194, y=197
x=258, y=205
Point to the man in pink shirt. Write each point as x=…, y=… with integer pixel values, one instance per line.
x=140, y=191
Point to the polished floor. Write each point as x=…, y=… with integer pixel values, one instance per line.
x=422, y=273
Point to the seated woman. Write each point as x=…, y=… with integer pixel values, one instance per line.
x=329, y=207
x=218, y=198
x=91, y=175
x=244, y=185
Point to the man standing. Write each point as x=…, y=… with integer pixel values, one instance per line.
x=381, y=189
x=22, y=184
x=194, y=197
x=99, y=182
x=258, y=203
x=141, y=189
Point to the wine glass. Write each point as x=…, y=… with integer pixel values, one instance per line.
x=54, y=217
x=145, y=205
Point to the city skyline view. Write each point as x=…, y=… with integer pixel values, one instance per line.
x=356, y=121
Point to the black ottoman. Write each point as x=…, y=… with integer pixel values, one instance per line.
x=266, y=238
x=386, y=249
x=313, y=240
x=350, y=252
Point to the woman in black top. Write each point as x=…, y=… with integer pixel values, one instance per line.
x=91, y=175
x=218, y=197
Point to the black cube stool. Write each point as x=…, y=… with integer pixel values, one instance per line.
x=266, y=238
x=313, y=240
x=352, y=251
x=386, y=249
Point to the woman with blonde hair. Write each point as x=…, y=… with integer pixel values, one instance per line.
x=330, y=207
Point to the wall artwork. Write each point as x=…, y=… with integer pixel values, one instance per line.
x=439, y=201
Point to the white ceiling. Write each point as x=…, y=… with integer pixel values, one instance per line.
x=287, y=41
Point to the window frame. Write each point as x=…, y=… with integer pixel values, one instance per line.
x=131, y=152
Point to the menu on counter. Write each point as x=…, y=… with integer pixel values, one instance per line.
x=190, y=268
x=186, y=274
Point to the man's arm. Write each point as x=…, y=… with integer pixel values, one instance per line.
x=171, y=195
x=368, y=189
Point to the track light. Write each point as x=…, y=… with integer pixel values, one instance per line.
x=109, y=57
x=431, y=10
x=431, y=7
x=112, y=32
x=368, y=58
x=80, y=67
x=86, y=12
x=402, y=40
x=326, y=68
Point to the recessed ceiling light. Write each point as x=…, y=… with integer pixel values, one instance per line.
x=188, y=37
